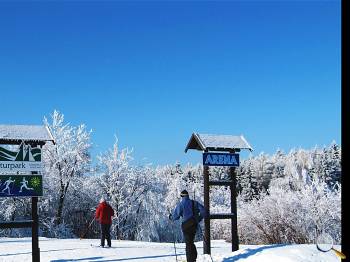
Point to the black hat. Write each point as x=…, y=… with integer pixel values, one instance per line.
x=184, y=193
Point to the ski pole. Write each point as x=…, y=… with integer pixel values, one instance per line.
x=87, y=228
x=172, y=229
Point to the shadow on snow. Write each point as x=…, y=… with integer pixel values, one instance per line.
x=78, y=259
x=137, y=258
x=251, y=252
x=41, y=251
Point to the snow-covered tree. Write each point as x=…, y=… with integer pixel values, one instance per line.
x=248, y=186
x=65, y=161
x=132, y=192
x=287, y=216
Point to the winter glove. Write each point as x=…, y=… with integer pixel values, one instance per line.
x=170, y=216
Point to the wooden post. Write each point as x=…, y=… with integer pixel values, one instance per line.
x=206, y=241
x=35, y=229
x=234, y=229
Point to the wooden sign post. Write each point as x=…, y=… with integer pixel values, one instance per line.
x=219, y=150
x=25, y=159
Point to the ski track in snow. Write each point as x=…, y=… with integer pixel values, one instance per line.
x=63, y=250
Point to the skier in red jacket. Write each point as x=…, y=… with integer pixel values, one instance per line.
x=104, y=212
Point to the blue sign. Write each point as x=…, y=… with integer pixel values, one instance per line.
x=21, y=185
x=220, y=159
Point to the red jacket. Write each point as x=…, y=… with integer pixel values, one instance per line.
x=104, y=212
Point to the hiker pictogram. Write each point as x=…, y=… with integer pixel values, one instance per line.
x=24, y=183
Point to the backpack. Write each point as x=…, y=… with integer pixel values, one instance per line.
x=191, y=222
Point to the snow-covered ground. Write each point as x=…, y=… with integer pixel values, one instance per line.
x=61, y=250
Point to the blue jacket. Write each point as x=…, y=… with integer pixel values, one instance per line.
x=184, y=210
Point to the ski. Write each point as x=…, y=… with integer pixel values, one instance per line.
x=98, y=246
x=93, y=245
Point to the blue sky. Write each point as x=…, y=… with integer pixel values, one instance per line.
x=154, y=72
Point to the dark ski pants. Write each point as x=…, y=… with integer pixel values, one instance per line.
x=105, y=234
x=191, y=250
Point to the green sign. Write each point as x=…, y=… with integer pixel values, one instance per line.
x=21, y=185
x=25, y=158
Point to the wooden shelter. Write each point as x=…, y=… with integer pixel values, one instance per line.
x=223, y=143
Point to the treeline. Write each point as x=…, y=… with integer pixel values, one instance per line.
x=282, y=198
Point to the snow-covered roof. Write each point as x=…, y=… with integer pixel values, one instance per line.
x=217, y=142
x=32, y=133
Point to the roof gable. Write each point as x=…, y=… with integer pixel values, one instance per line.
x=30, y=133
x=217, y=142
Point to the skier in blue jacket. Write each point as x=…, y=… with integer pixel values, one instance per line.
x=192, y=212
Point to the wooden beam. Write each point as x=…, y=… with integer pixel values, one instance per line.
x=35, y=231
x=234, y=228
x=220, y=183
x=18, y=142
x=221, y=216
x=16, y=224
x=223, y=149
x=206, y=240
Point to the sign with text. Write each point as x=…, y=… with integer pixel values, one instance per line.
x=21, y=185
x=220, y=159
x=25, y=158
